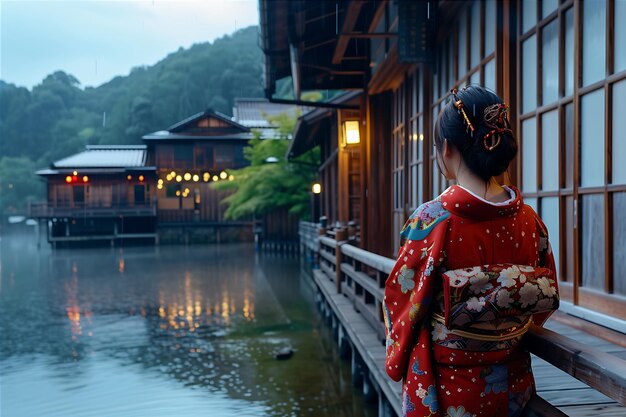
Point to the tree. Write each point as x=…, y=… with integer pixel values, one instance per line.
x=264, y=186
x=18, y=185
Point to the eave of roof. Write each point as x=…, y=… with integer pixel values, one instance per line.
x=93, y=171
x=177, y=127
x=165, y=136
x=307, y=125
x=104, y=157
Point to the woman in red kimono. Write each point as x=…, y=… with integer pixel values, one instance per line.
x=476, y=269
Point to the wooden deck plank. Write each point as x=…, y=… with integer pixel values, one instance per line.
x=577, y=396
x=600, y=410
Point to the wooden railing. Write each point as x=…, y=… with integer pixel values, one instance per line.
x=360, y=276
x=309, y=235
x=45, y=210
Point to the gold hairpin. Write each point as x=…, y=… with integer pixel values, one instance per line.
x=458, y=103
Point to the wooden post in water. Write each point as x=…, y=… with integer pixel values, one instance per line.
x=370, y=391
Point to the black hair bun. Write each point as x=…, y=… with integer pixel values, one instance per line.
x=476, y=123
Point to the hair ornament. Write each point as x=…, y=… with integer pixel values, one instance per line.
x=460, y=107
x=495, y=117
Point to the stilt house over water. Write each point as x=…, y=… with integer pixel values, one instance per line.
x=104, y=192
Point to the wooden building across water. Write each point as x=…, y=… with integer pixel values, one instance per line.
x=160, y=190
x=104, y=192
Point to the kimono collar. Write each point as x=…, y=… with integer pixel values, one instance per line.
x=464, y=203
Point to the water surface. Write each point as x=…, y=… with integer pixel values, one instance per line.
x=162, y=331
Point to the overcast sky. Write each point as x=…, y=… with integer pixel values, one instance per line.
x=96, y=40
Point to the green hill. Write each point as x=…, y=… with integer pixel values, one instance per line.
x=57, y=118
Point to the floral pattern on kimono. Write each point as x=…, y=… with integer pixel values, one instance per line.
x=444, y=374
x=408, y=294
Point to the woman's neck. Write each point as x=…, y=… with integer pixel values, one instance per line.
x=490, y=190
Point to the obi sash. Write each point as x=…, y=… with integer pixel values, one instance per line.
x=496, y=302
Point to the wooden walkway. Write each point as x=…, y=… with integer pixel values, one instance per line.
x=565, y=392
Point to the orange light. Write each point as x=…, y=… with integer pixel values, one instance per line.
x=130, y=177
x=68, y=179
x=141, y=178
x=85, y=179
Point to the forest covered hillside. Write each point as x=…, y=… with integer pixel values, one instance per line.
x=57, y=117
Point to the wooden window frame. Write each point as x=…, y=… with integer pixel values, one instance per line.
x=571, y=286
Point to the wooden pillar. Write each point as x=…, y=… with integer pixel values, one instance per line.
x=370, y=393
x=357, y=369
x=507, y=84
x=38, y=227
x=345, y=348
x=379, y=214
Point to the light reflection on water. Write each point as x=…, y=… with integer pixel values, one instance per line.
x=156, y=331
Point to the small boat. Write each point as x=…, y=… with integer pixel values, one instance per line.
x=16, y=219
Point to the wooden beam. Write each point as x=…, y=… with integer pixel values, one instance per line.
x=370, y=35
x=354, y=8
x=333, y=71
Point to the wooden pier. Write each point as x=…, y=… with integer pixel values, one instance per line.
x=576, y=374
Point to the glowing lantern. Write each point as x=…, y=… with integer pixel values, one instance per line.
x=68, y=179
x=75, y=173
x=177, y=193
x=223, y=175
x=173, y=174
x=160, y=186
x=231, y=177
x=351, y=132
x=196, y=178
x=179, y=178
x=141, y=178
x=317, y=188
x=130, y=177
x=85, y=179
x=215, y=178
x=187, y=176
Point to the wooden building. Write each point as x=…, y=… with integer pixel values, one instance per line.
x=189, y=156
x=561, y=66
x=102, y=193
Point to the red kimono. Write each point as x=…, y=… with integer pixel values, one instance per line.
x=470, y=364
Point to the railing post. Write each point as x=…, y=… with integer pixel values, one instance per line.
x=341, y=236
